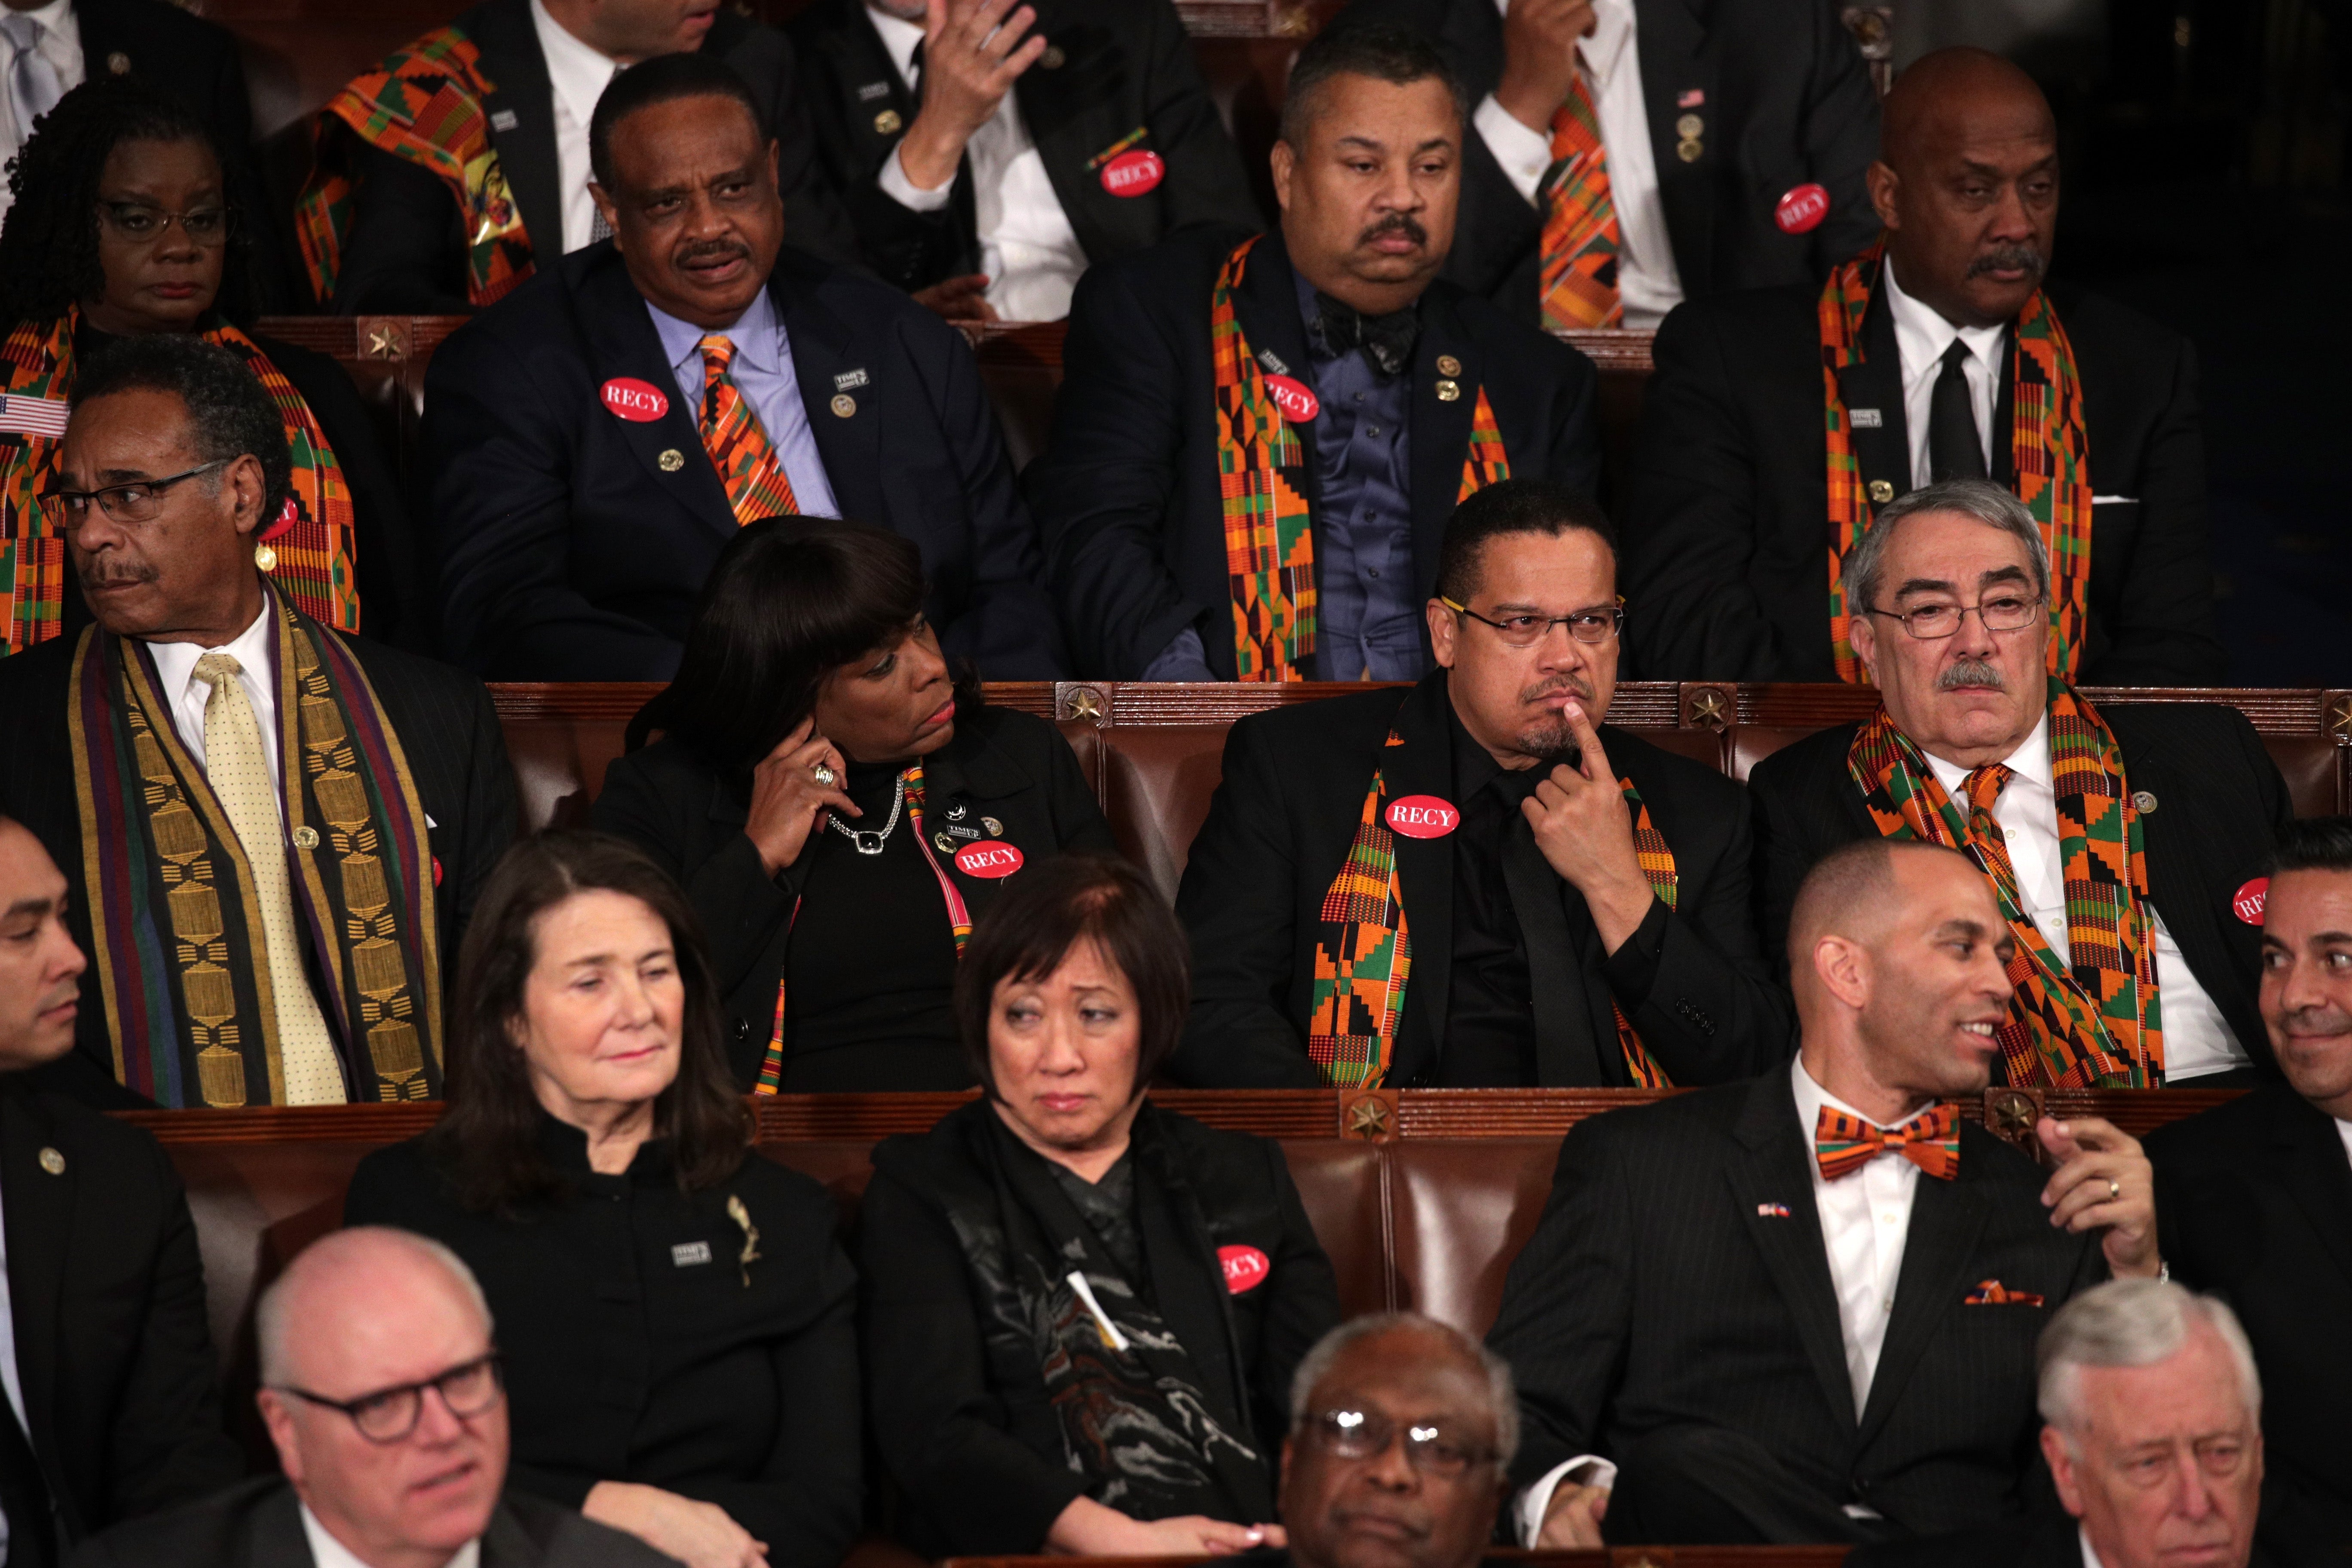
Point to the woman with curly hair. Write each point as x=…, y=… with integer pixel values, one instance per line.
x=121, y=227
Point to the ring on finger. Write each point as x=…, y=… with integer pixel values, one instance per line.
x=2115, y=1189
x=824, y=776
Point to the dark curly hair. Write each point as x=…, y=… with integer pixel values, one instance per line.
x=49, y=251
x=230, y=415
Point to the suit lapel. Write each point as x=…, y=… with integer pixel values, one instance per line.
x=1877, y=382
x=829, y=362
x=1266, y=302
x=526, y=147
x=1425, y=765
x=1947, y=1218
x=278, y=1539
x=2315, y=1169
x=621, y=341
x=1670, y=37
x=1770, y=1176
x=39, y=1220
x=1439, y=436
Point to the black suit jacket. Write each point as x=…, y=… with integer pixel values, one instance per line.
x=447, y=730
x=570, y=553
x=2254, y=1200
x=1691, y=980
x=106, y=1304
x=1785, y=101
x=2220, y=803
x=259, y=1525
x=405, y=254
x=1664, y=1288
x=1727, y=549
x=1127, y=491
x=1124, y=65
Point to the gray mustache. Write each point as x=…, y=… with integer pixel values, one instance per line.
x=1971, y=672
x=2009, y=257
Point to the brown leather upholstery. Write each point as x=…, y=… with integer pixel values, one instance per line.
x=1461, y=1210
x=560, y=766
x=1156, y=787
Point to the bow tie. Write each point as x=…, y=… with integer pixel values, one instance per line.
x=1931, y=1141
x=1387, y=341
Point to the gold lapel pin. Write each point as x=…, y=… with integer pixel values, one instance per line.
x=52, y=1162
x=1881, y=491
x=305, y=838
x=844, y=405
x=1448, y=366
x=1448, y=391
x=887, y=122
x=671, y=459
x=751, y=1253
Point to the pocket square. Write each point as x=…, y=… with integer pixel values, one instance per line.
x=1993, y=1293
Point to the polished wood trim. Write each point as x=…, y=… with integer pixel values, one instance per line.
x=1605, y=1557
x=1037, y=345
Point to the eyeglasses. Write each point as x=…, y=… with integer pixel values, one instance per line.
x=142, y=224
x=1930, y=623
x=137, y=501
x=1428, y=1447
x=1592, y=626
x=390, y=1415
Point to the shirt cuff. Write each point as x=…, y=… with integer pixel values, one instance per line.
x=1184, y=658
x=1585, y=1470
x=905, y=192
x=1523, y=154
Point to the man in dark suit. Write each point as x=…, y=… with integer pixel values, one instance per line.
x=274, y=834
x=596, y=439
x=381, y=1388
x=2256, y=1197
x=1949, y=359
x=444, y=218
x=1635, y=153
x=986, y=165
x=111, y=1409
x=1259, y=439
x=1803, y=1308
x=2119, y=840
x=1568, y=903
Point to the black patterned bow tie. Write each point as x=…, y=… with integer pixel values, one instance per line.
x=1387, y=341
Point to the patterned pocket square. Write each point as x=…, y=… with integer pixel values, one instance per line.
x=1993, y=1293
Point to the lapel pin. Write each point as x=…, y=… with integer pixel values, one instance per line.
x=119, y=63
x=1801, y=209
x=850, y=380
x=955, y=812
x=887, y=122
x=2144, y=801
x=1689, y=150
x=751, y=1253
x=844, y=405
x=52, y=1162
x=946, y=844
x=2247, y=903
x=1448, y=366
x=1053, y=59
x=686, y=1254
x=638, y=402
x=671, y=459
x=1691, y=98
x=995, y=828
x=305, y=838
x=1273, y=363
x=1772, y=1211
x=1866, y=420
x=1449, y=391
x=1881, y=491
x=1689, y=126
x=868, y=92
x=504, y=119
x=1422, y=816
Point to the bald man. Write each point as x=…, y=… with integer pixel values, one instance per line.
x=380, y=1389
x=1803, y=1308
x=1949, y=359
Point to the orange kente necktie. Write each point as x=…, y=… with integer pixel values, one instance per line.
x=746, y=459
x=1578, y=285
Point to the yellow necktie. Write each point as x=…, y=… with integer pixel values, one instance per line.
x=239, y=771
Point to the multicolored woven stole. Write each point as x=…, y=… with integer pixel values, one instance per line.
x=2049, y=452
x=748, y=462
x=1487, y=463
x=174, y=921
x=1578, y=280
x=2091, y=1024
x=314, y=557
x=1657, y=860
x=423, y=103
x=772, y=1064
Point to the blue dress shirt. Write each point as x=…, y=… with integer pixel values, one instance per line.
x=763, y=374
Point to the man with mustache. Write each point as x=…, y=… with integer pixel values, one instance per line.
x=1259, y=437
x=2256, y=1195
x=1475, y=882
x=1937, y=353
x=2119, y=839
x=596, y=439
x=1803, y=1308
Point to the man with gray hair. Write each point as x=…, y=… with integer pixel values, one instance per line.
x=2153, y=1431
x=2118, y=840
x=380, y=1389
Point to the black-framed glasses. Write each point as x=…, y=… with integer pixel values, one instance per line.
x=137, y=501
x=143, y=223
x=1596, y=625
x=1429, y=1447
x=390, y=1415
x=1931, y=623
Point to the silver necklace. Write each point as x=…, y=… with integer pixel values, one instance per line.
x=868, y=841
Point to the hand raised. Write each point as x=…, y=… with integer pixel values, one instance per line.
x=1586, y=833
x=786, y=799
x=972, y=53
x=2102, y=1182
x=1540, y=57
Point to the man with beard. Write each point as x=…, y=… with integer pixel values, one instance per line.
x=2120, y=841
x=1935, y=355
x=1804, y=1308
x=596, y=439
x=2256, y=1197
x=1259, y=437
x=1568, y=903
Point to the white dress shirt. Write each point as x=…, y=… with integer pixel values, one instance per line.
x=60, y=45
x=326, y=1552
x=2197, y=1038
x=2344, y=1130
x=175, y=675
x=1611, y=61
x=765, y=376
x=1027, y=248
x=1923, y=336
x=2089, y=1557
x=578, y=75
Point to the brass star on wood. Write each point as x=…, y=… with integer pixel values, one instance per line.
x=1368, y=1118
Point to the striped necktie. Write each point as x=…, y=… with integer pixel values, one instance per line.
x=1577, y=284
x=746, y=459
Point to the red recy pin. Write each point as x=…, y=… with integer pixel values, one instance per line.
x=639, y=402
x=1134, y=173
x=990, y=860
x=1297, y=404
x=2247, y=903
x=1424, y=816
x=1245, y=1267
x=1800, y=211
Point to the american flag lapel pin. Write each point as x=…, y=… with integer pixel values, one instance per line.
x=1772, y=1211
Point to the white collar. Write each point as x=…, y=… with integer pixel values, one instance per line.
x=1612, y=29
x=578, y=70
x=900, y=37
x=56, y=17
x=175, y=662
x=1923, y=334
x=754, y=335
x=1811, y=1096
x=2090, y=1553
x=326, y=1552
x=2029, y=762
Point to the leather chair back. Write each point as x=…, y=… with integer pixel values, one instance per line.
x=1461, y=1210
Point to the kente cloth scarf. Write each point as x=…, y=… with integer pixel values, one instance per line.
x=1844, y=1144
x=1578, y=282
x=746, y=460
x=1363, y=952
x=175, y=920
x=772, y=1064
x=2094, y=1023
x=1262, y=486
x=422, y=103
x=2049, y=453
x=314, y=555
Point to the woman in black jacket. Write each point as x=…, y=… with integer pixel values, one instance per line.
x=675, y=1319
x=836, y=808
x=1082, y=1312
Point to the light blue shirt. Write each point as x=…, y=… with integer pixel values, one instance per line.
x=763, y=374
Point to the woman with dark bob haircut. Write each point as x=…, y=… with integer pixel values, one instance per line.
x=836, y=808
x=1082, y=1312
x=675, y=1318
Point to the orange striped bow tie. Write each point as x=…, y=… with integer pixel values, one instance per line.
x=1931, y=1141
